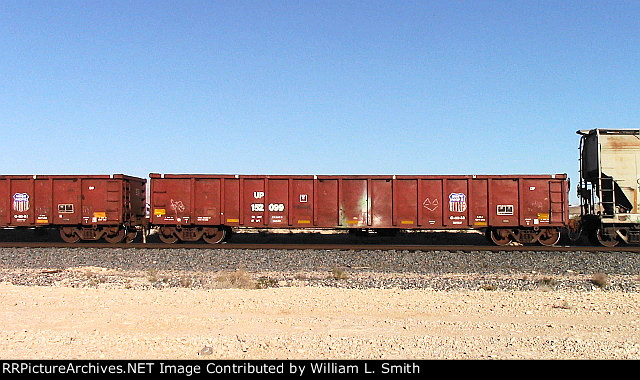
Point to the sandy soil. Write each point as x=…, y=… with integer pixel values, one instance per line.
x=303, y=322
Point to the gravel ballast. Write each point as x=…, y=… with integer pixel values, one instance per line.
x=436, y=270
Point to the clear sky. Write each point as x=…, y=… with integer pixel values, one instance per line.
x=312, y=86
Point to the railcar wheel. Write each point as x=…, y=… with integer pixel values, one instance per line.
x=499, y=236
x=214, y=235
x=168, y=236
x=549, y=237
x=69, y=237
x=605, y=239
x=117, y=237
x=131, y=236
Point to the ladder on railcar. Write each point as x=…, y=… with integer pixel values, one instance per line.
x=607, y=195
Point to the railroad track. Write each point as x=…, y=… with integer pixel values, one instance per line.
x=324, y=246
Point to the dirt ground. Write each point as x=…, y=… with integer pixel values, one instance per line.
x=303, y=322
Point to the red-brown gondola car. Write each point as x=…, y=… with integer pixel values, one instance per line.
x=82, y=207
x=524, y=208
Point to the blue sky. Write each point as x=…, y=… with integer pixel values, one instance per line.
x=312, y=87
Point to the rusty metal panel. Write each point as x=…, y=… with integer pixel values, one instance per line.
x=171, y=200
x=431, y=202
x=191, y=199
x=206, y=202
x=253, y=202
x=301, y=204
x=100, y=200
x=44, y=212
x=354, y=202
x=5, y=203
x=327, y=208
x=231, y=202
x=21, y=193
x=543, y=202
x=67, y=199
x=536, y=203
x=479, y=203
x=456, y=213
x=277, y=202
x=503, y=202
x=381, y=211
x=23, y=201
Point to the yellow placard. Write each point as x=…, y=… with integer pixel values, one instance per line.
x=99, y=214
x=233, y=220
x=406, y=222
x=304, y=221
x=159, y=211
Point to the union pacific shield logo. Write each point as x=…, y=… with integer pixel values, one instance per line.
x=21, y=202
x=457, y=202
